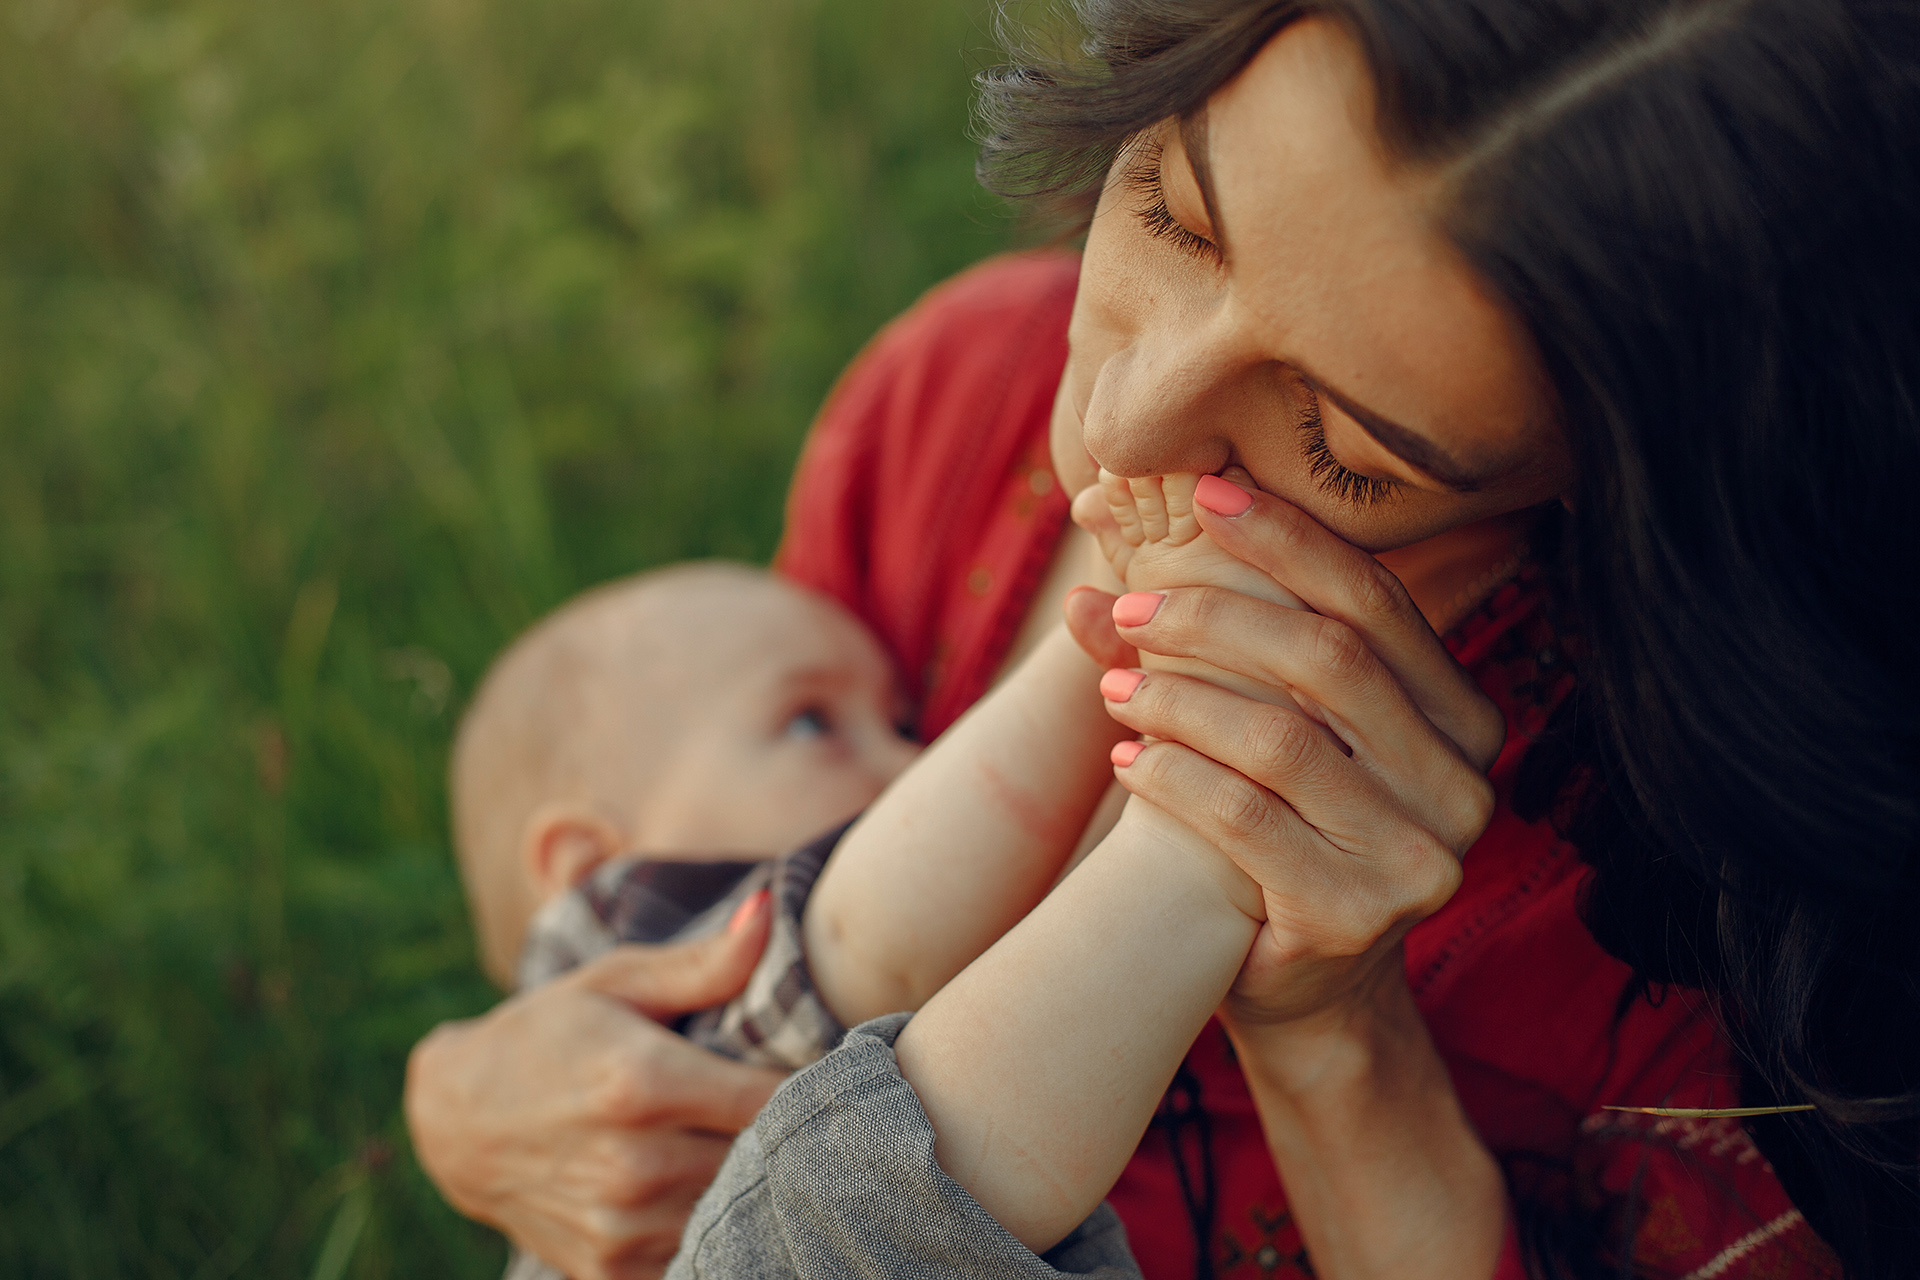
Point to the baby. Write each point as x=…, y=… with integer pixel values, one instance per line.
x=702, y=712
x=958, y=850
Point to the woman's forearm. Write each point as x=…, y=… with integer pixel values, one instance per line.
x=966, y=841
x=1041, y=1065
x=1384, y=1172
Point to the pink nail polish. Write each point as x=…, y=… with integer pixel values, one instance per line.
x=747, y=910
x=1125, y=753
x=1136, y=608
x=1222, y=497
x=1118, y=684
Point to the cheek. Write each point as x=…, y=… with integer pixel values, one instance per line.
x=1073, y=466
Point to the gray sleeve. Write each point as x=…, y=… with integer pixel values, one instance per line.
x=836, y=1180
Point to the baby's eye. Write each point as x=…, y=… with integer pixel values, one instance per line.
x=809, y=723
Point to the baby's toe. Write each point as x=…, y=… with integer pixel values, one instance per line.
x=1122, y=506
x=1091, y=511
x=1182, y=525
x=1152, y=505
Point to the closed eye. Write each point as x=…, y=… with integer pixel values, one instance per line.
x=1141, y=179
x=1334, y=477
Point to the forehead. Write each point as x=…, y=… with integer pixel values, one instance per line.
x=1337, y=262
x=766, y=629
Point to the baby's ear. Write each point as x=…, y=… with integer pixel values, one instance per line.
x=563, y=844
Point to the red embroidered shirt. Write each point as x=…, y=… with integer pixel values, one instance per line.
x=926, y=503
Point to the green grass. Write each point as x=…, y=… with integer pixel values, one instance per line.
x=338, y=340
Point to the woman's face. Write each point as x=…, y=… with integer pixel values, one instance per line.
x=1262, y=286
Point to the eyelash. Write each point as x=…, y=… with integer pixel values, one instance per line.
x=1143, y=183
x=1333, y=476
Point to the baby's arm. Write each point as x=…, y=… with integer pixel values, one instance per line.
x=966, y=841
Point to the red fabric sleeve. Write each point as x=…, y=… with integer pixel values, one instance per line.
x=1509, y=1267
x=924, y=500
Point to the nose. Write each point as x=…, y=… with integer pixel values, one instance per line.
x=1164, y=401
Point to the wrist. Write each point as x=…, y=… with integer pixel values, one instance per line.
x=1387, y=1175
x=1342, y=1047
x=1172, y=852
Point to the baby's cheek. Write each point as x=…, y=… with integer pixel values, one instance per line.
x=801, y=803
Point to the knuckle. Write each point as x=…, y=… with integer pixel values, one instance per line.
x=1279, y=744
x=1364, y=914
x=609, y=1241
x=1374, y=592
x=1475, y=801
x=1353, y=934
x=1339, y=653
x=1243, y=811
x=637, y=1177
x=1153, y=771
x=1199, y=615
x=1488, y=733
x=1434, y=874
x=1291, y=530
x=1442, y=884
x=625, y=1092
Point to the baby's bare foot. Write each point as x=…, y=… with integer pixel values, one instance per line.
x=1151, y=538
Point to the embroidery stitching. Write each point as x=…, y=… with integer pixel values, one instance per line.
x=1745, y=1245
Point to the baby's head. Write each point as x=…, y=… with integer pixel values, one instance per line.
x=701, y=710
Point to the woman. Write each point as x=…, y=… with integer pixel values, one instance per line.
x=1647, y=259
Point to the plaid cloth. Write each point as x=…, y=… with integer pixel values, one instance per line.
x=777, y=1021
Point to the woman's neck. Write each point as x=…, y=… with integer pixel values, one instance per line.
x=1451, y=574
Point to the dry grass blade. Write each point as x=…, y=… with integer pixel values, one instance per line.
x=1707, y=1113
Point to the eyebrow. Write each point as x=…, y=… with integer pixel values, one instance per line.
x=1403, y=442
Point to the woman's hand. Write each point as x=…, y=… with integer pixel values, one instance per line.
x=1354, y=834
x=1352, y=846
x=578, y=1125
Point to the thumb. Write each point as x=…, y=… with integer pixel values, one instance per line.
x=666, y=981
x=1089, y=613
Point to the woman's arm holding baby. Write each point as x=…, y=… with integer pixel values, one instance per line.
x=576, y=1123
x=964, y=843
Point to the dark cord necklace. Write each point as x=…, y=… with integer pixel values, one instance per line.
x=1181, y=1113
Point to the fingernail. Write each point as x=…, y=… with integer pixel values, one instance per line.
x=1125, y=753
x=1118, y=684
x=1222, y=497
x=1136, y=608
x=747, y=910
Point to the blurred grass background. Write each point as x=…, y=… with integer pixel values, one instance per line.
x=338, y=340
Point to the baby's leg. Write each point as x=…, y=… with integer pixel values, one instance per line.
x=1150, y=536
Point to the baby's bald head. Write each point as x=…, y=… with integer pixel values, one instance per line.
x=706, y=708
